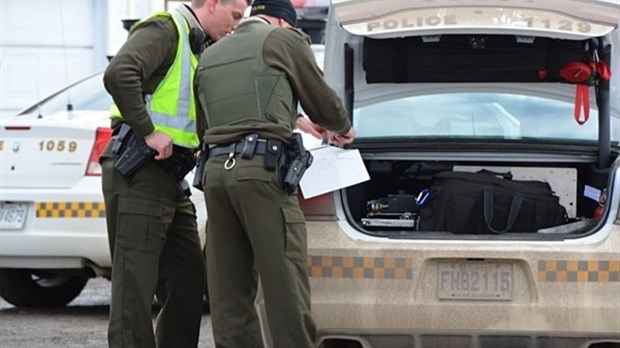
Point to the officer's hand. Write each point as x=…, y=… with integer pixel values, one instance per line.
x=342, y=139
x=304, y=124
x=161, y=143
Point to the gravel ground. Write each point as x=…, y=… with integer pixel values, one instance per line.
x=83, y=323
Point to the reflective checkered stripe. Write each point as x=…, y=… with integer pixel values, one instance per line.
x=360, y=267
x=70, y=209
x=579, y=271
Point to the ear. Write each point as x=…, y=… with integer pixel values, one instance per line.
x=211, y=4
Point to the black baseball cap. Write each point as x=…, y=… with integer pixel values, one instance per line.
x=277, y=8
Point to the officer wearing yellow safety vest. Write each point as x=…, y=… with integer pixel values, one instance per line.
x=248, y=86
x=151, y=222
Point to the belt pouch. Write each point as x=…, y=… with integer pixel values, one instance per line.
x=272, y=154
x=249, y=146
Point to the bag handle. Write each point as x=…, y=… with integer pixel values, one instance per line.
x=506, y=175
x=489, y=207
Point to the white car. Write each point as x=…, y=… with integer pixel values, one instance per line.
x=52, y=219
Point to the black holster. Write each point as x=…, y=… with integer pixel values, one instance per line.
x=133, y=153
x=198, y=182
x=294, y=168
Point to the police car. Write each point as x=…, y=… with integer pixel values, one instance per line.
x=52, y=216
x=527, y=90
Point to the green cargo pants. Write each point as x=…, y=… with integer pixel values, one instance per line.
x=155, y=249
x=254, y=226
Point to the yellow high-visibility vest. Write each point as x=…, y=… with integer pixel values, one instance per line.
x=172, y=107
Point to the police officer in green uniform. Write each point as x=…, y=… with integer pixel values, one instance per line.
x=248, y=85
x=151, y=222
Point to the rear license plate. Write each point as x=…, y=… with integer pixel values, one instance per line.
x=474, y=280
x=12, y=215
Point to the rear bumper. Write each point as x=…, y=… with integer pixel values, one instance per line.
x=57, y=251
x=62, y=229
x=464, y=339
x=386, y=292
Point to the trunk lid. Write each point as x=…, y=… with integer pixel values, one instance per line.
x=352, y=23
x=566, y=19
x=48, y=152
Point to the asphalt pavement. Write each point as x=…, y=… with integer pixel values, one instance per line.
x=83, y=323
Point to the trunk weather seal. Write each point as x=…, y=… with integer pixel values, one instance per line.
x=349, y=89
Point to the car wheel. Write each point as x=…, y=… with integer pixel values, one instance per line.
x=30, y=289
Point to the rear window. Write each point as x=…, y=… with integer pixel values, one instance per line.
x=476, y=116
x=87, y=94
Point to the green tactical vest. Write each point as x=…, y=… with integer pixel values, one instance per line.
x=172, y=107
x=235, y=86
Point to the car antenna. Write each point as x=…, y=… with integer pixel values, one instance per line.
x=64, y=52
x=39, y=113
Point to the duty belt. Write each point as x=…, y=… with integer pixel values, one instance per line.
x=249, y=146
x=292, y=162
x=237, y=148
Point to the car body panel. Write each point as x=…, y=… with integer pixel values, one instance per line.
x=409, y=302
x=65, y=228
x=61, y=152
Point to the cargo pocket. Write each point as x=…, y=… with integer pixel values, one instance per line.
x=140, y=225
x=296, y=242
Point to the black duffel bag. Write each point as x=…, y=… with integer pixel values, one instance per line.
x=483, y=203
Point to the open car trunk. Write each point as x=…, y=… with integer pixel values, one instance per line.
x=397, y=201
x=529, y=107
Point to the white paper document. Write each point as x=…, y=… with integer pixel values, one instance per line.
x=333, y=168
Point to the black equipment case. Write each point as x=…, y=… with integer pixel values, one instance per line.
x=483, y=203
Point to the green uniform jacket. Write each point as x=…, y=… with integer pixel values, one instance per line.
x=138, y=68
x=287, y=51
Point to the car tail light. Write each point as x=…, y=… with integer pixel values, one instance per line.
x=17, y=128
x=318, y=208
x=101, y=140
